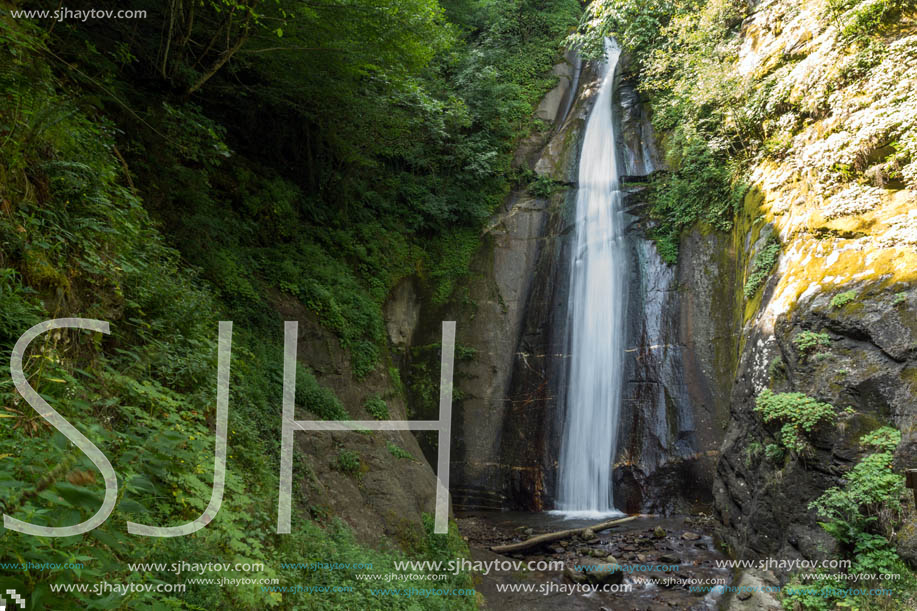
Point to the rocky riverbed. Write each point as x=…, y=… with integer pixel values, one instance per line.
x=658, y=558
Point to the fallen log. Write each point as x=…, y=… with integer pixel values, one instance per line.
x=557, y=536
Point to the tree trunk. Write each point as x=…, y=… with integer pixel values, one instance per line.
x=557, y=536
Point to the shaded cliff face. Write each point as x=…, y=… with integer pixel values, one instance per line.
x=509, y=412
x=842, y=202
x=387, y=496
x=674, y=403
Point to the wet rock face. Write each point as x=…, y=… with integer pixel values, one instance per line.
x=764, y=500
x=502, y=430
x=673, y=413
x=508, y=425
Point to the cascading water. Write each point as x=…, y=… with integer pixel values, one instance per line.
x=597, y=309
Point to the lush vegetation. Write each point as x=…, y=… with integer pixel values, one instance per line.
x=377, y=408
x=713, y=122
x=683, y=55
x=797, y=413
x=862, y=515
x=842, y=299
x=221, y=160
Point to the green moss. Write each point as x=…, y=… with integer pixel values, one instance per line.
x=761, y=267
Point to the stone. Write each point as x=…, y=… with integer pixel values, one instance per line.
x=906, y=542
x=611, y=559
x=574, y=576
x=690, y=536
x=752, y=595
x=529, y=531
x=605, y=573
x=669, y=559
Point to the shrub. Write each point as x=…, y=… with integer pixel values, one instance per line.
x=316, y=398
x=842, y=299
x=806, y=341
x=773, y=452
x=377, y=408
x=853, y=514
x=798, y=412
x=348, y=462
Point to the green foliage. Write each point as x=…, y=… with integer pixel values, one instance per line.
x=761, y=267
x=336, y=541
x=867, y=18
x=842, y=299
x=899, y=298
x=798, y=413
x=807, y=341
x=872, y=485
x=859, y=515
x=398, y=452
x=543, y=186
x=774, y=452
x=377, y=408
x=84, y=206
x=348, y=462
x=18, y=311
x=699, y=189
x=316, y=398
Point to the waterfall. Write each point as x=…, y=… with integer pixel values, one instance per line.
x=598, y=300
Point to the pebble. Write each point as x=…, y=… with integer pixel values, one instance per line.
x=659, y=532
x=690, y=536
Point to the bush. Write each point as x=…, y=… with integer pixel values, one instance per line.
x=348, y=462
x=798, y=412
x=859, y=515
x=398, y=452
x=377, y=408
x=700, y=189
x=806, y=341
x=316, y=398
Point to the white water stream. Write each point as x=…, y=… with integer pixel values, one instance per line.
x=598, y=300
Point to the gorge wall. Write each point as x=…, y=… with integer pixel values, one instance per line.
x=840, y=202
x=510, y=406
